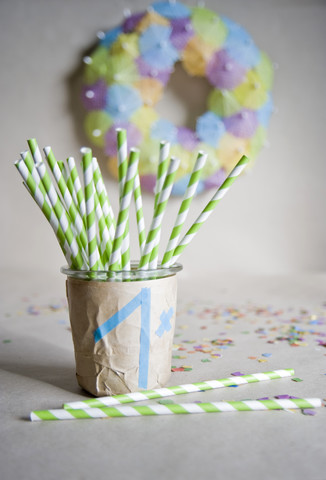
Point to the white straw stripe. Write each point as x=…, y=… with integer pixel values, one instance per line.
x=192, y=407
x=163, y=392
x=237, y=170
x=128, y=411
x=160, y=409
x=191, y=388
x=61, y=414
x=224, y=407
x=215, y=384
x=239, y=380
x=95, y=412
x=254, y=405
x=137, y=396
x=285, y=403
x=262, y=376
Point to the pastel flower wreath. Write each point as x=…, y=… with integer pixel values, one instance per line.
x=126, y=74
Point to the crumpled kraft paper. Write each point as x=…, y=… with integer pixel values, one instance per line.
x=122, y=333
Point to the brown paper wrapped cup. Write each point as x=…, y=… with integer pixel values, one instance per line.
x=122, y=327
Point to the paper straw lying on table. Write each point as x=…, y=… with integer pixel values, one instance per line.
x=175, y=409
x=179, y=389
x=223, y=189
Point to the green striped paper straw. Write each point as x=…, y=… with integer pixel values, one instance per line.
x=124, y=210
x=66, y=195
x=176, y=409
x=64, y=170
x=31, y=166
x=139, y=214
x=103, y=198
x=71, y=188
x=122, y=171
x=185, y=206
x=105, y=246
x=151, y=247
x=93, y=253
x=34, y=148
x=222, y=190
x=122, y=152
x=63, y=217
x=38, y=186
x=75, y=180
x=179, y=389
x=43, y=202
x=162, y=168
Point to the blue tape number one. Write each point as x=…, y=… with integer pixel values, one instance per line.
x=142, y=300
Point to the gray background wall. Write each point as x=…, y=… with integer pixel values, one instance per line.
x=273, y=219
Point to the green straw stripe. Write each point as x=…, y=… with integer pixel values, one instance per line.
x=79, y=414
x=122, y=157
x=144, y=410
x=176, y=409
x=44, y=415
x=302, y=403
x=243, y=407
x=182, y=389
x=148, y=393
x=125, y=252
x=162, y=169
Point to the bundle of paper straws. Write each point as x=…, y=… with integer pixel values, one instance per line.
x=82, y=217
x=107, y=407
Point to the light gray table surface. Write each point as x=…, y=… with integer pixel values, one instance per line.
x=250, y=314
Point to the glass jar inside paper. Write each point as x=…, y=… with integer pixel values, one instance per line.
x=122, y=327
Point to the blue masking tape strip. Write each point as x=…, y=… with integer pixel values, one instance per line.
x=165, y=324
x=144, y=337
x=117, y=318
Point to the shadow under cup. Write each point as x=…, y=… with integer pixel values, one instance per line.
x=122, y=327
